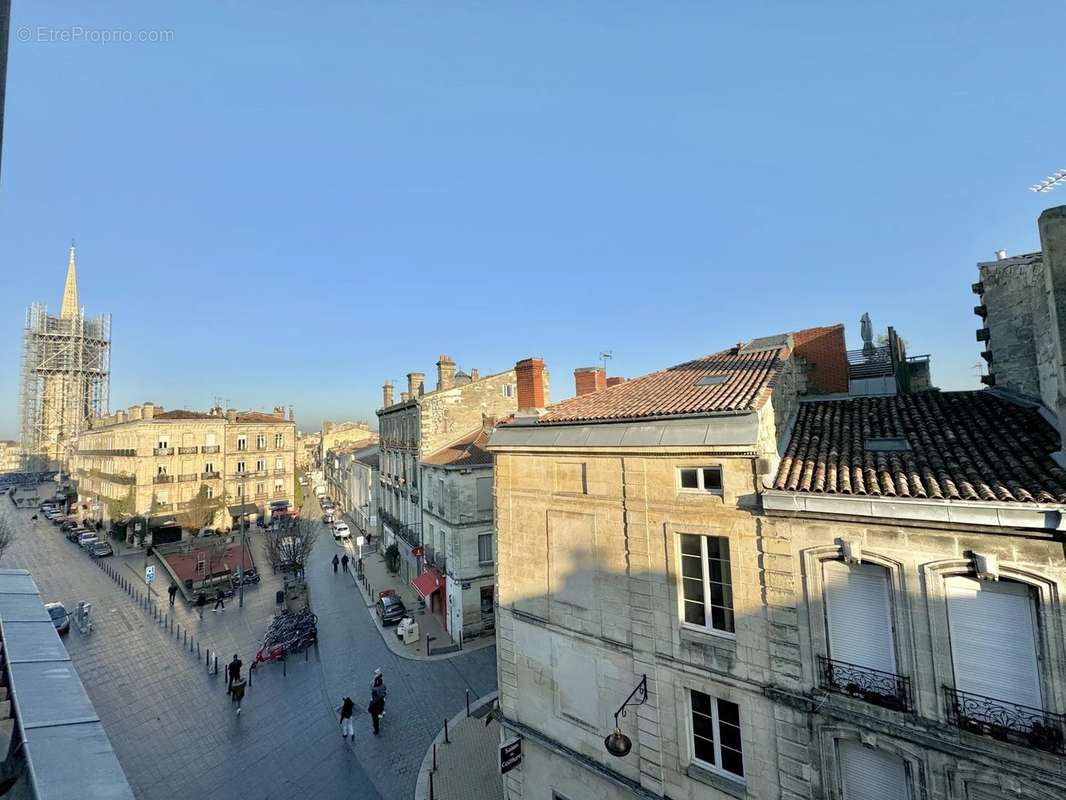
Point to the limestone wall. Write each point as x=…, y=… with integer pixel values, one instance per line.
x=450, y=413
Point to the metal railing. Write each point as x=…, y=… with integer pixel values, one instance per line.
x=187, y=451
x=162, y=451
x=163, y=479
x=187, y=477
x=885, y=689
x=1007, y=722
x=209, y=448
x=412, y=534
x=870, y=363
x=208, y=476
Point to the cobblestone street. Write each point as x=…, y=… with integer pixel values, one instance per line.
x=171, y=723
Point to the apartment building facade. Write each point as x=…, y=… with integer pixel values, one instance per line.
x=148, y=461
x=853, y=599
x=351, y=480
x=460, y=531
x=422, y=423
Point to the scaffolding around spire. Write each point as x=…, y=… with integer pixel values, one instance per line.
x=66, y=375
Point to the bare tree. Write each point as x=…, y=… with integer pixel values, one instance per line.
x=289, y=544
x=7, y=535
x=200, y=512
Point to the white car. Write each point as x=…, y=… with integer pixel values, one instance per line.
x=342, y=531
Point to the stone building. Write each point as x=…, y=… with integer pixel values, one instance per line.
x=335, y=434
x=10, y=456
x=351, y=480
x=422, y=423
x=853, y=598
x=307, y=448
x=147, y=461
x=459, y=532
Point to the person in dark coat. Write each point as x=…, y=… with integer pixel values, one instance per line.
x=173, y=590
x=220, y=601
x=376, y=709
x=336, y=562
x=233, y=672
x=378, y=690
x=347, y=709
x=237, y=693
x=201, y=601
x=344, y=562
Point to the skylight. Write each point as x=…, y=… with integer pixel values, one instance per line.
x=887, y=444
x=712, y=380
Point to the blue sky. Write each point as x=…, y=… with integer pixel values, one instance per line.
x=291, y=204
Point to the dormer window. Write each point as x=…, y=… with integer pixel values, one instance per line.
x=700, y=479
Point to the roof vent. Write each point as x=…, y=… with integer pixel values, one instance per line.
x=712, y=380
x=887, y=444
x=1000, y=255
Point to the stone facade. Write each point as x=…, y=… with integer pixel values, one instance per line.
x=148, y=461
x=351, y=477
x=10, y=456
x=336, y=434
x=307, y=449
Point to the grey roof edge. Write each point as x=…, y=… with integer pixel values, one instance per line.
x=738, y=430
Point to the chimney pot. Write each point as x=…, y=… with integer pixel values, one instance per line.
x=589, y=379
x=386, y=394
x=135, y=412
x=474, y=375
x=405, y=396
x=1000, y=255
x=415, y=382
x=231, y=415
x=615, y=381
x=445, y=372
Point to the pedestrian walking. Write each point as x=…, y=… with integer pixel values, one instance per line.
x=237, y=693
x=201, y=601
x=337, y=561
x=233, y=673
x=378, y=691
x=344, y=562
x=220, y=601
x=173, y=590
x=376, y=709
x=347, y=709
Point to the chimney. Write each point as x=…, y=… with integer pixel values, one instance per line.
x=589, y=379
x=530, y=378
x=445, y=373
x=415, y=381
x=405, y=396
x=148, y=411
x=1053, y=244
x=474, y=375
x=386, y=394
x=617, y=379
x=135, y=412
x=231, y=415
x=120, y=416
x=1000, y=255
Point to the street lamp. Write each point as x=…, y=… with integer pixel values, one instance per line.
x=617, y=743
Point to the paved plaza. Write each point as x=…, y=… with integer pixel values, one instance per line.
x=170, y=722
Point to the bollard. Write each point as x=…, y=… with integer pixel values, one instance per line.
x=284, y=665
x=197, y=649
x=215, y=671
x=207, y=659
x=186, y=638
x=431, y=795
x=434, y=757
x=251, y=669
x=468, y=702
x=446, y=739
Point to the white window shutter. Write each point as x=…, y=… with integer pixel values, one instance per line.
x=993, y=640
x=859, y=615
x=870, y=774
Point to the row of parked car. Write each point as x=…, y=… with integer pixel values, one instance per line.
x=91, y=541
x=339, y=527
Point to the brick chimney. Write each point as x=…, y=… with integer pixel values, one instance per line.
x=530, y=378
x=589, y=379
x=445, y=373
x=617, y=379
x=415, y=381
x=1053, y=244
x=386, y=394
x=231, y=415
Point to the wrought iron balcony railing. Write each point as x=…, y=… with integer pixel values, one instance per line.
x=412, y=534
x=885, y=689
x=210, y=448
x=186, y=451
x=1007, y=722
x=207, y=476
x=162, y=451
x=163, y=479
x=187, y=477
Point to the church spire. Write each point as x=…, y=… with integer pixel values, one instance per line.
x=70, y=290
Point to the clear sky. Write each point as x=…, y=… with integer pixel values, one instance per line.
x=292, y=202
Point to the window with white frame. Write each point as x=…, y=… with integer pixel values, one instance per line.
x=993, y=640
x=279, y=485
x=706, y=583
x=260, y=441
x=484, y=548
x=716, y=733
x=858, y=612
x=161, y=469
x=483, y=497
x=164, y=441
x=209, y=493
x=868, y=773
x=279, y=463
x=700, y=479
x=242, y=442
x=162, y=497
x=260, y=465
x=240, y=466
x=240, y=490
x=279, y=440
x=260, y=488
x=209, y=439
x=507, y=390
x=209, y=467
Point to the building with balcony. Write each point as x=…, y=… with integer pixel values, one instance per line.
x=338, y=434
x=351, y=475
x=802, y=590
x=151, y=462
x=422, y=423
x=459, y=533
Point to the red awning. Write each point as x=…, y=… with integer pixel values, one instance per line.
x=426, y=583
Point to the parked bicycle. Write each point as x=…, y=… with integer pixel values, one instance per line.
x=289, y=632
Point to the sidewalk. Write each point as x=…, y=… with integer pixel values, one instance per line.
x=467, y=765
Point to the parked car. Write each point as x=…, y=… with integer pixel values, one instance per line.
x=341, y=531
x=87, y=539
x=101, y=549
x=68, y=525
x=60, y=617
x=390, y=609
x=76, y=533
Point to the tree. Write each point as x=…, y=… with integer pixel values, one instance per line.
x=289, y=544
x=117, y=508
x=7, y=535
x=200, y=512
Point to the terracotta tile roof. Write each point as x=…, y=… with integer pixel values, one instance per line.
x=468, y=451
x=673, y=391
x=963, y=446
x=181, y=413
x=259, y=416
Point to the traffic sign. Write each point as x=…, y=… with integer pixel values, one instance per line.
x=359, y=541
x=149, y=573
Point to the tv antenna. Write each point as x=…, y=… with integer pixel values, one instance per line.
x=604, y=355
x=1050, y=182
